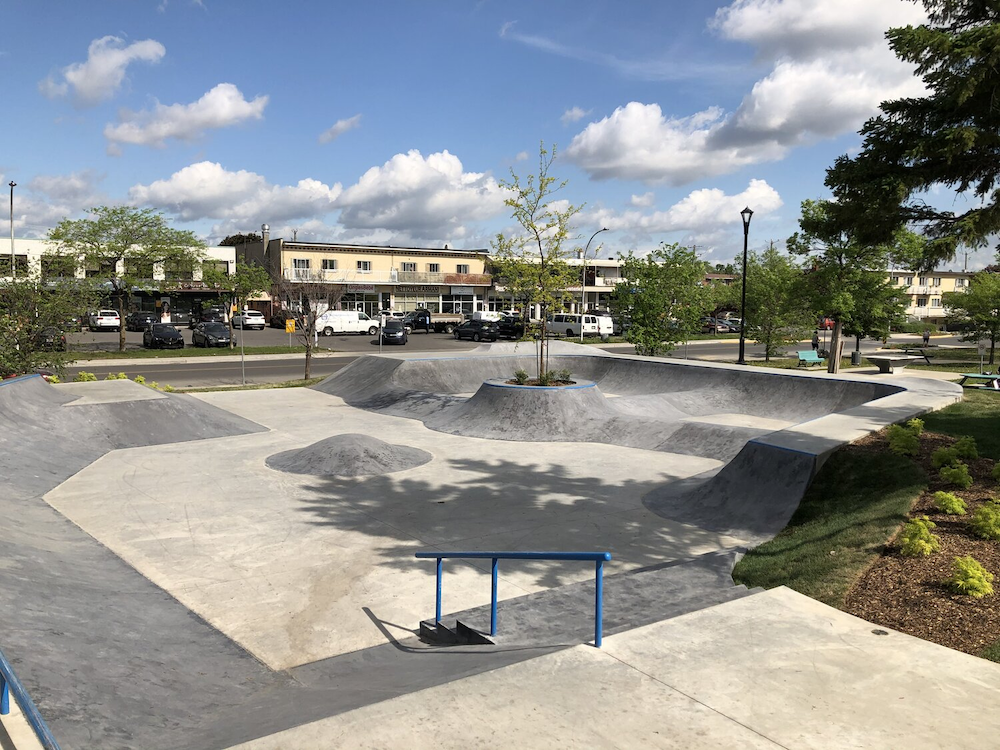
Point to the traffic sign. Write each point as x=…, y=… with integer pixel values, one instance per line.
x=290, y=325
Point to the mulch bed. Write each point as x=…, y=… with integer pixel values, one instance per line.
x=910, y=594
x=536, y=382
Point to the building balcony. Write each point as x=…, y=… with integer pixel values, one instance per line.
x=338, y=276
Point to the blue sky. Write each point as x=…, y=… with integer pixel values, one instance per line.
x=392, y=122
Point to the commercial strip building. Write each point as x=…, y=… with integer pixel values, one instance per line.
x=375, y=277
x=169, y=291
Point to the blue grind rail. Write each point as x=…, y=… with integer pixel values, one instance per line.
x=598, y=558
x=10, y=684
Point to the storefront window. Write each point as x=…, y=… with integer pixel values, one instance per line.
x=366, y=302
x=458, y=304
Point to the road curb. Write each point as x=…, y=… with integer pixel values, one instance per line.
x=132, y=361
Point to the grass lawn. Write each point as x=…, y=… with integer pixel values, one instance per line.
x=792, y=363
x=256, y=387
x=853, y=507
x=977, y=415
x=190, y=351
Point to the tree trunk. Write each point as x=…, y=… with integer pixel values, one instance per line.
x=309, y=354
x=121, y=322
x=836, y=345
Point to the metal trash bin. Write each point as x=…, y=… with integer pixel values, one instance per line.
x=855, y=358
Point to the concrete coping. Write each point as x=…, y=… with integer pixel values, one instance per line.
x=502, y=383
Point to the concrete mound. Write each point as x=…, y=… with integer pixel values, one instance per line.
x=349, y=455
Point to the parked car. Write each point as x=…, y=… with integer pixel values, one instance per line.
x=713, y=325
x=734, y=324
x=478, y=330
x=249, y=319
x=51, y=338
x=394, y=332
x=209, y=315
x=510, y=327
x=140, y=320
x=162, y=336
x=105, y=320
x=389, y=314
x=279, y=318
x=210, y=334
x=73, y=323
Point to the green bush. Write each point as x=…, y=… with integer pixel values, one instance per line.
x=966, y=447
x=521, y=376
x=84, y=377
x=970, y=578
x=153, y=384
x=946, y=502
x=169, y=388
x=956, y=474
x=902, y=441
x=944, y=457
x=985, y=520
x=564, y=374
x=916, y=426
x=119, y=376
x=917, y=539
x=996, y=473
x=53, y=378
x=140, y=379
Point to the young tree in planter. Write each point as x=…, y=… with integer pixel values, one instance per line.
x=249, y=281
x=27, y=308
x=977, y=309
x=775, y=315
x=125, y=245
x=311, y=299
x=534, y=262
x=663, y=298
x=840, y=268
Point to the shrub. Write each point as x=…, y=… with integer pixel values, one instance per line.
x=956, y=474
x=119, y=376
x=53, y=378
x=545, y=378
x=84, y=377
x=996, y=473
x=966, y=447
x=153, y=384
x=916, y=426
x=969, y=577
x=917, y=539
x=168, y=388
x=985, y=520
x=140, y=379
x=902, y=441
x=521, y=376
x=946, y=502
x=564, y=374
x=944, y=457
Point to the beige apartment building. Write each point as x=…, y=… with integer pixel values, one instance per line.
x=925, y=291
x=376, y=278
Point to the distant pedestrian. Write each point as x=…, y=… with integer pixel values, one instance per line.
x=815, y=341
x=927, y=337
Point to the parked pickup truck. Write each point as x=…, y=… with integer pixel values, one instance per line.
x=424, y=320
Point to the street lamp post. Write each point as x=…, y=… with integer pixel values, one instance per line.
x=13, y=269
x=583, y=279
x=745, y=214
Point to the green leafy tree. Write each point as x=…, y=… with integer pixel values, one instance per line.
x=663, y=298
x=248, y=281
x=840, y=269
x=27, y=308
x=977, y=310
x=235, y=240
x=775, y=315
x=948, y=137
x=124, y=246
x=533, y=262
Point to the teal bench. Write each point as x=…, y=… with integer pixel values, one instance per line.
x=809, y=358
x=991, y=382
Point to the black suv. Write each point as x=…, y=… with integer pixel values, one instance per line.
x=140, y=320
x=478, y=330
x=509, y=327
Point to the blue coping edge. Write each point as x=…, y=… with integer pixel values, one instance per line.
x=28, y=708
x=594, y=556
x=497, y=383
x=19, y=377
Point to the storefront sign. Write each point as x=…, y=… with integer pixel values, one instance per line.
x=463, y=290
x=419, y=288
x=361, y=287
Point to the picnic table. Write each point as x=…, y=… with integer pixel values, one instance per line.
x=921, y=351
x=986, y=380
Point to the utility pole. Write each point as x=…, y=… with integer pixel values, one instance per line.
x=13, y=268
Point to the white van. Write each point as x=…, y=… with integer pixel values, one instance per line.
x=593, y=325
x=345, y=321
x=490, y=315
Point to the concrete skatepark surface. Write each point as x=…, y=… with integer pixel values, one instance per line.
x=208, y=599
x=349, y=455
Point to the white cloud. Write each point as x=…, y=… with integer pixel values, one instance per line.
x=700, y=211
x=574, y=114
x=48, y=199
x=643, y=201
x=831, y=67
x=101, y=75
x=221, y=107
x=241, y=199
x=430, y=197
x=339, y=128
x=521, y=156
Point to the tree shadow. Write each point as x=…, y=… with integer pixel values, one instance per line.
x=501, y=504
